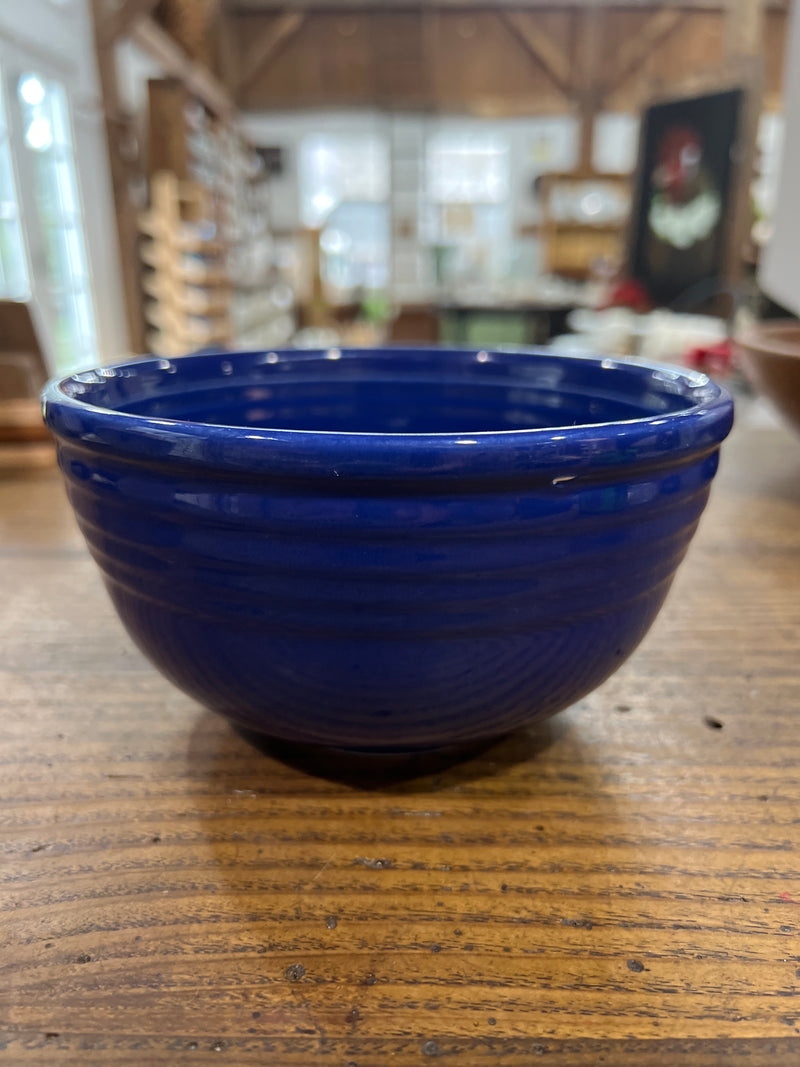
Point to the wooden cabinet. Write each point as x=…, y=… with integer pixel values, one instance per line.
x=584, y=221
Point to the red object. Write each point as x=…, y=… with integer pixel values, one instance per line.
x=678, y=161
x=629, y=294
x=713, y=359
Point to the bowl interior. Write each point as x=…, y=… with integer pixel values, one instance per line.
x=387, y=392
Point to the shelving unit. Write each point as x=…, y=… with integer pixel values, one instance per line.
x=208, y=254
x=184, y=278
x=584, y=220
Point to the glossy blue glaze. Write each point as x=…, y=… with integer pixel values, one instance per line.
x=387, y=549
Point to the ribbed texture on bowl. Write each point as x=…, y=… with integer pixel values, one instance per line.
x=405, y=621
x=361, y=613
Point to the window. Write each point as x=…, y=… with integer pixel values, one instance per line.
x=468, y=169
x=355, y=246
x=615, y=143
x=46, y=135
x=344, y=192
x=767, y=168
x=468, y=192
x=14, y=283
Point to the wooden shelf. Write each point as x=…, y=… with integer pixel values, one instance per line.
x=185, y=268
x=573, y=244
x=191, y=299
x=587, y=227
x=185, y=279
x=206, y=232
x=21, y=421
x=28, y=456
x=183, y=236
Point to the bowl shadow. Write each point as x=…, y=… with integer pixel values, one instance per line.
x=422, y=771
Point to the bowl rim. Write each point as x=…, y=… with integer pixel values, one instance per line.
x=555, y=452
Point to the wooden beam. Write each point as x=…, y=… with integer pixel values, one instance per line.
x=634, y=53
x=587, y=63
x=431, y=43
x=743, y=34
x=197, y=79
x=111, y=27
x=249, y=7
x=542, y=49
x=274, y=36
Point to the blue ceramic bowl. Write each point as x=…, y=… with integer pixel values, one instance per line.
x=388, y=549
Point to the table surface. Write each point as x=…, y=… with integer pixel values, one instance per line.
x=619, y=885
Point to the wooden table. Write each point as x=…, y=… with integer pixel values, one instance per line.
x=619, y=886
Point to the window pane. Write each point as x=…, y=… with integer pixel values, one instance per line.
x=469, y=214
x=615, y=143
x=335, y=169
x=355, y=246
x=62, y=135
x=46, y=131
x=344, y=189
x=468, y=168
x=13, y=267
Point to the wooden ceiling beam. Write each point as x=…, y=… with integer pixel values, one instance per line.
x=266, y=7
x=541, y=48
x=266, y=46
x=198, y=79
x=744, y=28
x=634, y=53
x=110, y=27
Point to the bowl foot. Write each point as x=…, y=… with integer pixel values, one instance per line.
x=367, y=768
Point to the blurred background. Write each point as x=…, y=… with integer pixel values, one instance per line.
x=177, y=174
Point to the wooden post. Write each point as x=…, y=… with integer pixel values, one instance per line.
x=743, y=33
x=429, y=35
x=318, y=314
x=743, y=42
x=116, y=128
x=588, y=90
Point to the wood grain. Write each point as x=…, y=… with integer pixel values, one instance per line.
x=620, y=885
x=470, y=59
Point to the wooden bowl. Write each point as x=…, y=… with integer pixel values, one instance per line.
x=769, y=354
